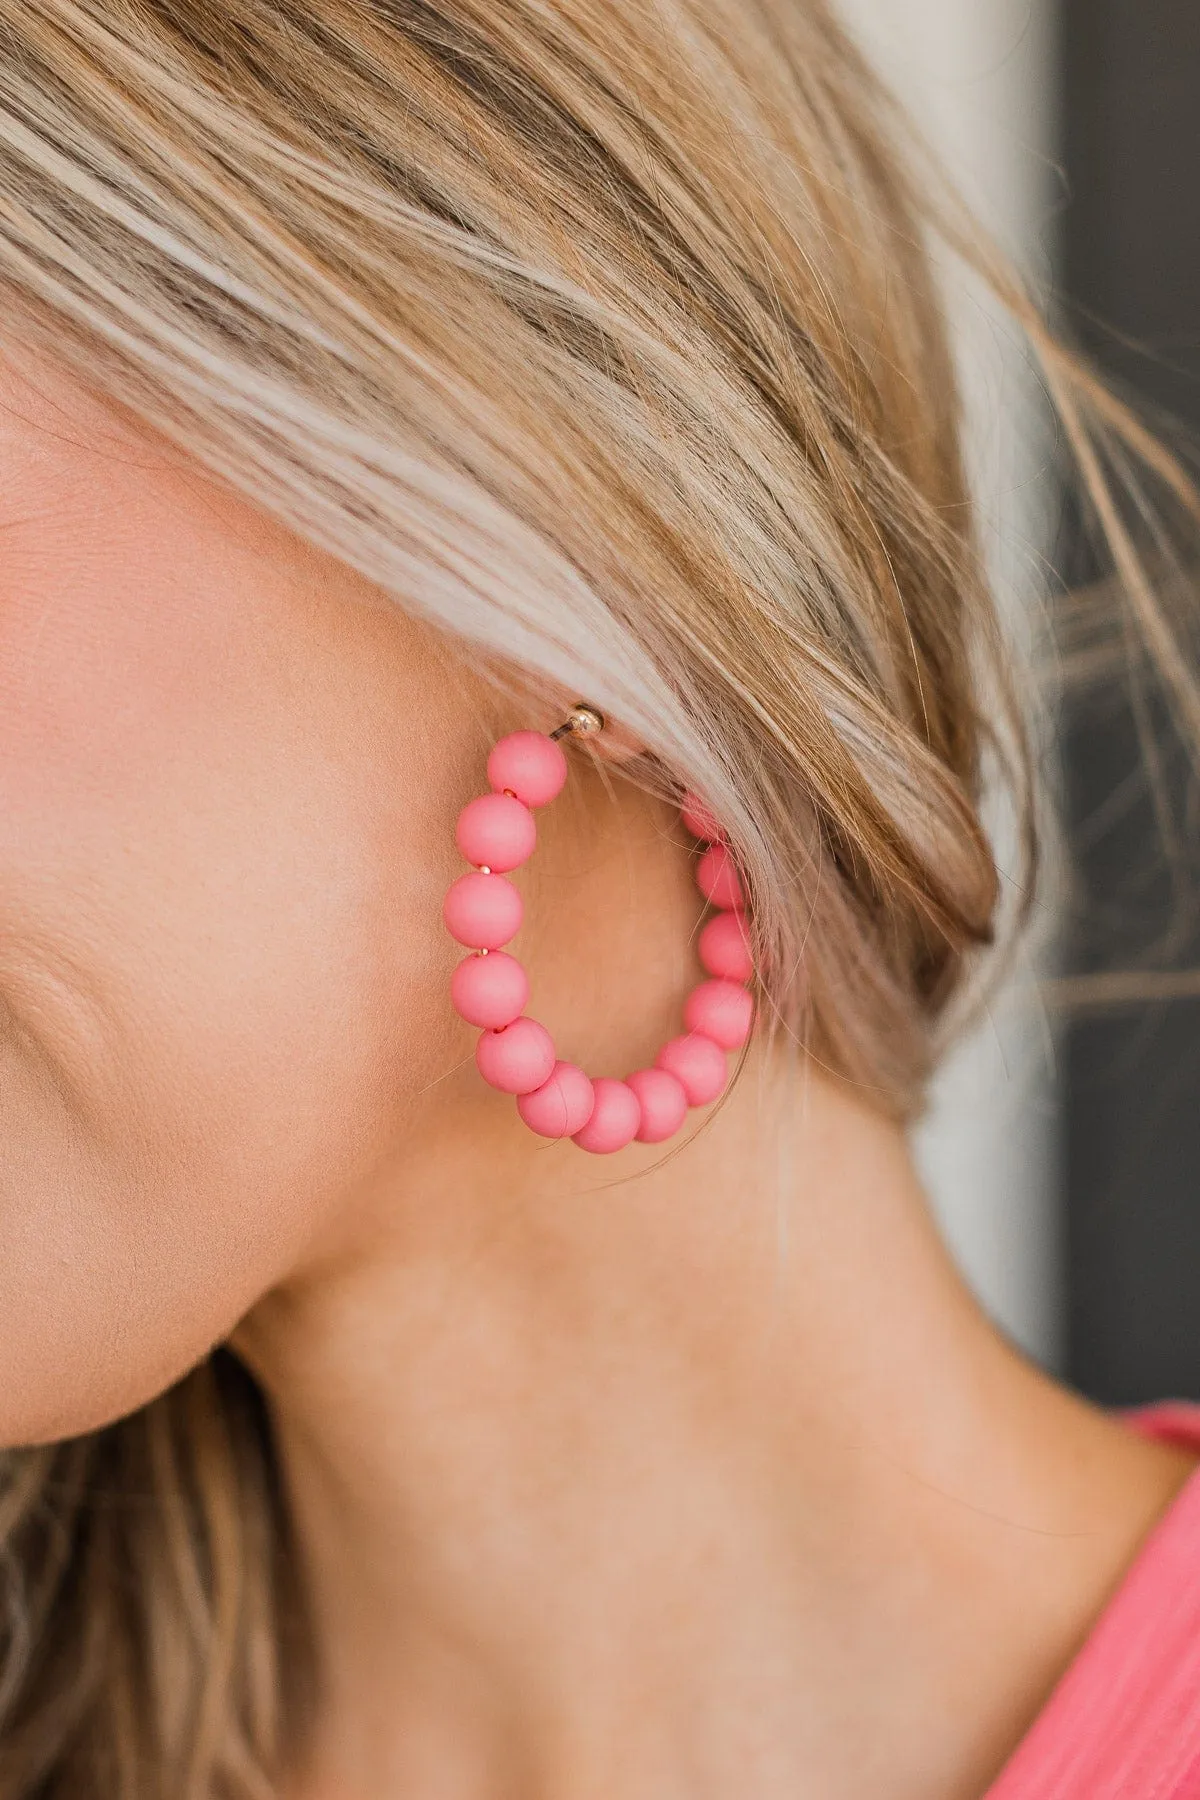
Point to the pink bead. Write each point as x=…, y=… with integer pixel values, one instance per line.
x=496, y=830
x=489, y=990
x=615, y=1118
x=561, y=1106
x=663, y=1102
x=482, y=911
x=517, y=1059
x=699, y=820
x=697, y=1063
x=530, y=764
x=725, y=949
x=722, y=1010
x=718, y=877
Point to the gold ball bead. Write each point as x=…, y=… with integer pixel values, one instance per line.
x=585, y=720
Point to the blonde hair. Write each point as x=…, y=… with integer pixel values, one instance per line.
x=603, y=334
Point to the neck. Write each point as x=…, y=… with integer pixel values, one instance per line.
x=687, y=1482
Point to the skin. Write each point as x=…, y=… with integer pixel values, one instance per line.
x=640, y=1476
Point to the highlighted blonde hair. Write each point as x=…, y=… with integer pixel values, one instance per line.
x=603, y=334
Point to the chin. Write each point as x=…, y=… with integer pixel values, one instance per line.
x=49, y=1396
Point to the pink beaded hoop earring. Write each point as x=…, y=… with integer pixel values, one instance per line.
x=483, y=911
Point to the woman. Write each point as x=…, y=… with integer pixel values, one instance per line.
x=384, y=380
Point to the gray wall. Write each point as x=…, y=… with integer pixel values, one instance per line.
x=1131, y=257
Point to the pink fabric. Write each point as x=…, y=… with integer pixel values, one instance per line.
x=1123, y=1723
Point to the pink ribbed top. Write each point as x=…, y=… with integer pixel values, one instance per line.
x=1123, y=1723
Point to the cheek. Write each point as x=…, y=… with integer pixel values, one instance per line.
x=222, y=989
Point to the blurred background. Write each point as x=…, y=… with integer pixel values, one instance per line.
x=1063, y=1152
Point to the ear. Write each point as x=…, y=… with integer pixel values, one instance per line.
x=526, y=701
x=616, y=745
